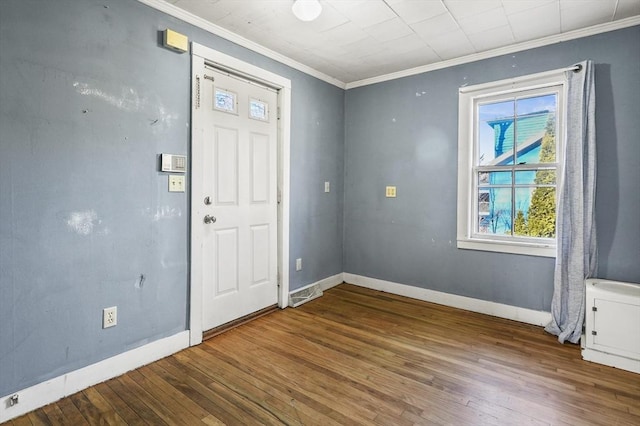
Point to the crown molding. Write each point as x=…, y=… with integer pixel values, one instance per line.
x=545, y=41
x=192, y=19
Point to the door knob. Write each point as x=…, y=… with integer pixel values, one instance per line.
x=209, y=219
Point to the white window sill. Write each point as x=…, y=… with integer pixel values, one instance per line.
x=542, y=250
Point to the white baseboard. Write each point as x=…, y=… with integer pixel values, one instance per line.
x=54, y=389
x=611, y=360
x=515, y=313
x=325, y=283
x=331, y=282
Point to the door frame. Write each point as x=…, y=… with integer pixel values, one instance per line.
x=199, y=56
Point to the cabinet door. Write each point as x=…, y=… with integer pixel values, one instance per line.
x=617, y=328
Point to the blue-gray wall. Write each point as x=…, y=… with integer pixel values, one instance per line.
x=88, y=99
x=405, y=133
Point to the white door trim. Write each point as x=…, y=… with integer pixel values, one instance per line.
x=198, y=54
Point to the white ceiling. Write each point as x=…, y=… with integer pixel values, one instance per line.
x=354, y=40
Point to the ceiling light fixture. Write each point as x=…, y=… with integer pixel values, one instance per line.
x=306, y=10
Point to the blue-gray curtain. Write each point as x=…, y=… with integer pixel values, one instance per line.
x=576, y=257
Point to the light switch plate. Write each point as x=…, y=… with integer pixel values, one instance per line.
x=327, y=187
x=176, y=183
x=390, y=192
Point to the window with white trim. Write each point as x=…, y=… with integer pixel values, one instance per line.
x=511, y=135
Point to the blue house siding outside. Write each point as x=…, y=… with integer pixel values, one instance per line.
x=497, y=217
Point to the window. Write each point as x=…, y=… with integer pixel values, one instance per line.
x=509, y=148
x=258, y=110
x=225, y=100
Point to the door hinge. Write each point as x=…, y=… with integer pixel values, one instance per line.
x=594, y=309
x=197, y=94
x=209, y=77
x=279, y=196
x=594, y=333
x=278, y=113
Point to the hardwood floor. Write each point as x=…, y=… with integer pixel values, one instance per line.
x=356, y=356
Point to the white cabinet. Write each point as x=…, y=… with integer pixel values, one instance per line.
x=612, y=324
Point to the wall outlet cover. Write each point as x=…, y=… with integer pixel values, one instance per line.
x=109, y=317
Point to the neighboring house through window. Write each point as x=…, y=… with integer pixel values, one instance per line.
x=510, y=143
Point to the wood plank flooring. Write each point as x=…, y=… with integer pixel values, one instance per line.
x=361, y=357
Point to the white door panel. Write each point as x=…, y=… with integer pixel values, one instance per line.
x=260, y=167
x=225, y=165
x=260, y=256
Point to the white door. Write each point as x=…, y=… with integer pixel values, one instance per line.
x=234, y=197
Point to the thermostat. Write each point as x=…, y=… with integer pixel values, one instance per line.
x=173, y=163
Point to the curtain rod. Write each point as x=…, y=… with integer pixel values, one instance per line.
x=516, y=80
x=575, y=68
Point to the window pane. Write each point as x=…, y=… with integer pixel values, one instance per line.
x=535, y=129
x=523, y=200
x=258, y=110
x=495, y=133
x=494, y=178
x=535, y=212
x=541, y=221
x=494, y=211
x=536, y=177
x=224, y=100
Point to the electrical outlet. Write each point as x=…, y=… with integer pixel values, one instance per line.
x=109, y=317
x=298, y=264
